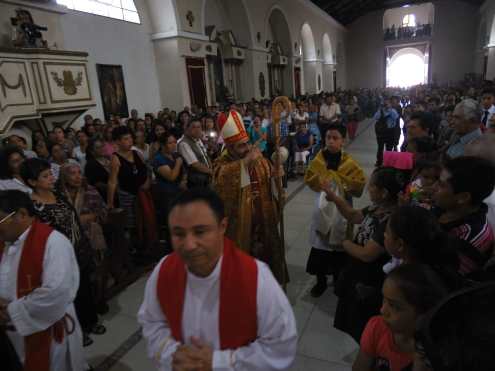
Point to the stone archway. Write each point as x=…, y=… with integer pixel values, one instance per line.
x=411, y=59
x=311, y=65
x=328, y=63
x=280, y=66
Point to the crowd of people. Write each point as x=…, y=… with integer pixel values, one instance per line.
x=426, y=234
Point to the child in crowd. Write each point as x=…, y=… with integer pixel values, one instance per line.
x=448, y=341
x=423, y=148
x=420, y=191
x=413, y=236
x=388, y=341
x=304, y=144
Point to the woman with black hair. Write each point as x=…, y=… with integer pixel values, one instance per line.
x=414, y=236
x=154, y=138
x=11, y=159
x=359, y=284
x=129, y=177
x=53, y=208
x=388, y=343
x=97, y=169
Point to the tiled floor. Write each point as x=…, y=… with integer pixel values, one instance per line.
x=321, y=347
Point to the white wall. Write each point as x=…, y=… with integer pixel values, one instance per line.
x=365, y=52
x=454, y=40
x=425, y=14
x=116, y=42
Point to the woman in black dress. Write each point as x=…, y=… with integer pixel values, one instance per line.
x=54, y=209
x=97, y=169
x=129, y=179
x=361, y=279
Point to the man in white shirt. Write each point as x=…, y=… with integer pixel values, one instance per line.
x=195, y=155
x=487, y=107
x=39, y=278
x=209, y=306
x=329, y=113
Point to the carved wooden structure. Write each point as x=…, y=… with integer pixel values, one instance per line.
x=42, y=87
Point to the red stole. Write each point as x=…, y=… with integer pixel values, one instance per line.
x=237, y=315
x=29, y=277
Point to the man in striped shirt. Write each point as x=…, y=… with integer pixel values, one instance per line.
x=464, y=183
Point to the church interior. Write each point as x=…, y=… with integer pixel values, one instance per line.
x=88, y=68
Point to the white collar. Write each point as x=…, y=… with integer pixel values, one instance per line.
x=490, y=110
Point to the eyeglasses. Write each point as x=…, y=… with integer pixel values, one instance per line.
x=7, y=217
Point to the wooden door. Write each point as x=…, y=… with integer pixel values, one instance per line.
x=196, y=79
x=297, y=81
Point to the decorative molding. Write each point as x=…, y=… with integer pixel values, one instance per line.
x=20, y=82
x=38, y=82
x=52, y=99
x=14, y=118
x=68, y=82
x=190, y=18
x=38, y=52
x=259, y=50
x=313, y=60
x=194, y=46
x=174, y=34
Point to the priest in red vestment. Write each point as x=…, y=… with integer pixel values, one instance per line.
x=209, y=305
x=39, y=278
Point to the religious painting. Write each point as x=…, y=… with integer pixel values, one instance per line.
x=112, y=89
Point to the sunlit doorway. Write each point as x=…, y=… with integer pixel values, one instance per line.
x=408, y=67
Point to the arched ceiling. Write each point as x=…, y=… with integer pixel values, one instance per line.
x=280, y=30
x=347, y=11
x=308, y=41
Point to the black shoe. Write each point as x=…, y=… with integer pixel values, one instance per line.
x=98, y=329
x=318, y=289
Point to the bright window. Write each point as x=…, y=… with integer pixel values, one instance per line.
x=119, y=9
x=409, y=20
x=407, y=70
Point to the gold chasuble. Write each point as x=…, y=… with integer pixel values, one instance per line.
x=251, y=210
x=349, y=176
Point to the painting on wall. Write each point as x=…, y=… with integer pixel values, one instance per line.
x=112, y=89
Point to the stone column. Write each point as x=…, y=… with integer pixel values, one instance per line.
x=490, y=68
x=313, y=70
x=328, y=69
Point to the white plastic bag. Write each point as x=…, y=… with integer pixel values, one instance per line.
x=329, y=224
